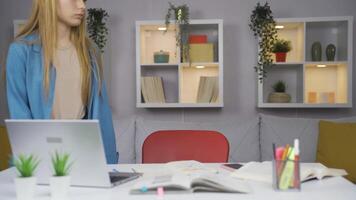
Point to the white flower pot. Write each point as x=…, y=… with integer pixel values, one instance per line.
x=25, y=187
x=59, y=186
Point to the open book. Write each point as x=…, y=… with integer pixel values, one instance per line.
x=262, y=171
x=191, y=176
x=319, y=172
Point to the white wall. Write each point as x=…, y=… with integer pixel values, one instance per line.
x=239, y=52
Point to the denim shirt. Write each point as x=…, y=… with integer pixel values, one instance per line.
x=26, y=95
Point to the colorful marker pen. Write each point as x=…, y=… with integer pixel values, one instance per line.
x=296, y=183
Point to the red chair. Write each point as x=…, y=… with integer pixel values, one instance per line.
x=173, y=145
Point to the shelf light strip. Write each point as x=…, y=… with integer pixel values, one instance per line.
x=200, y=66
x=162, y=28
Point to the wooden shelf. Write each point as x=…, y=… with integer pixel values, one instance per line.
x=288, y=63
x=213, y=64
x=302, y=105
x=180, y=105
x=160, y=65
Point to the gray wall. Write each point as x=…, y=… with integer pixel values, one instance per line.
x=239, y=52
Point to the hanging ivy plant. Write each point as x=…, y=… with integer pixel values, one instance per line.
x=263, y=26
x=96, y=22
x=180, y=15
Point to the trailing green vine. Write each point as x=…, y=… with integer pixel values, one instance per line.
x=180, y=14
x=263, y=25
x=97, y=29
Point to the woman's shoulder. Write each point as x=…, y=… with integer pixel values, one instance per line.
x=23, y=45
x=26, y=41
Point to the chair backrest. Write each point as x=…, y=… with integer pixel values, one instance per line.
x=173, y=145
x=5, y=149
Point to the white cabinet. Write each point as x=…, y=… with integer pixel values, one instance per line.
x=312, y=82
x=181, y=81
x=18, y=25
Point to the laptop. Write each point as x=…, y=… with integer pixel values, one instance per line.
x=80, y=138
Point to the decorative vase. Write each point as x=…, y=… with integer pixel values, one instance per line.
x=330, y=52
x=25, y=188
x=316, y=51
x=279, y=97
x=281, y=56
x=59, y=186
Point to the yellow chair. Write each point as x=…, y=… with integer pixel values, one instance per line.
x=5, y=149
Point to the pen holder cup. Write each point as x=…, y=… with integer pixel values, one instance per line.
x=286, y=175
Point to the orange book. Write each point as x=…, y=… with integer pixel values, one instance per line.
x=331, y=97
x=312, y=97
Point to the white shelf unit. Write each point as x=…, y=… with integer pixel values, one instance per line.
x=18, y=25
x=180, y=79
x=313, y=84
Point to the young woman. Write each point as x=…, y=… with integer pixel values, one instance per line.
x=53, y=71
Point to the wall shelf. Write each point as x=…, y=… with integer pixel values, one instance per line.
x=179, y=105
x=181, y=80
x=313, y=84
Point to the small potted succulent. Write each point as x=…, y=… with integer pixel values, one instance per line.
x=280, y=48
x=25, y=183
x=60, y=181
x=279, y=95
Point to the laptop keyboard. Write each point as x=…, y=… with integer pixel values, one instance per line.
x=121, y=177
x=114, y=179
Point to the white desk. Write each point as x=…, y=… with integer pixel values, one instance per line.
x=331, y=188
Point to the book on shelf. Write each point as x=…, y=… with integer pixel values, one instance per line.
x=190, y=176
x=262, y=171
x=152, y=89
x=208, y=90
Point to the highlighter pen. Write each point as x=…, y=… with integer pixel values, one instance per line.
x=283, y=159
x=287, y=171
x=286, y=151
x=276, y=166
x=296, y=183
x=279, y=162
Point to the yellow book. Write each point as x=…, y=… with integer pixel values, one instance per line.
x=201, y=52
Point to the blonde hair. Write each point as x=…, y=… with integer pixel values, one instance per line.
x=43, y=21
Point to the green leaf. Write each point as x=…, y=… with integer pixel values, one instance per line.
x=96, y=23
x=263, y=26
x=26, y=165
x=61, y=165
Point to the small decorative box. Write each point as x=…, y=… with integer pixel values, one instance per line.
x=198, y=39
x=161, y=57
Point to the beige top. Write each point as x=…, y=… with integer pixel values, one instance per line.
x=67, y=102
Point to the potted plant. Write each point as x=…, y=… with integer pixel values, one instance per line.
x=280, y=48
x=180, y=15
x=60, y=181
x=279, y=95
x=96, y=22
x=25, y=182
x=263, y=25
